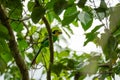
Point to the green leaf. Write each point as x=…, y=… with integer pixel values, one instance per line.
x=59, y=6
x=64, y=53
x=51, y=16
x=5, y=51
x=103, y=4
x=104, y=41
x=18, y=11
x=15, y=7
x=3, y=29
x=30, y=5
x=114, y=18
x=81, y=3
x=70, y=14
x=117, y=68
x=102, y=8
x=30, y=56
x=17, y=26
x=57, y=68
x=32, y=30
x=103, y=76
x=3, y=46
x=90, y=37
x=87, y=9
x=4, y=32
x=86, y=20
x=22, y=44
x=92, y=66
x=75, y=23
x=112, y=45
x=101, y=15
x=97, y=27
x=9, y=4
x=3, y=2
x=71, y=2
x=37, y=13
x=71, y=64
x=117, y=35
x=3, y=65
x=50, y=5
x=108, y=43
x=44, y=60
x=7, y=57
x=39, y=58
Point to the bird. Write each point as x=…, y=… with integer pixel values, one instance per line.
x=45, y=43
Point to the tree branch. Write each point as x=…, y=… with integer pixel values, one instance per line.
x=51, y=47
x=13, y=46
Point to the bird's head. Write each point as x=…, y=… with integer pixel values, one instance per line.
x=56, y=32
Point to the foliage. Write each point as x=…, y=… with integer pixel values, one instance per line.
x=26, y=20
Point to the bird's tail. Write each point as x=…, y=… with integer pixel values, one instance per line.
x=34, y=59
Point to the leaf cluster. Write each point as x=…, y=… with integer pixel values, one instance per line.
x=29, y=31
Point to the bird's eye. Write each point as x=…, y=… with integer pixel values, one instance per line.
x=53, y=32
